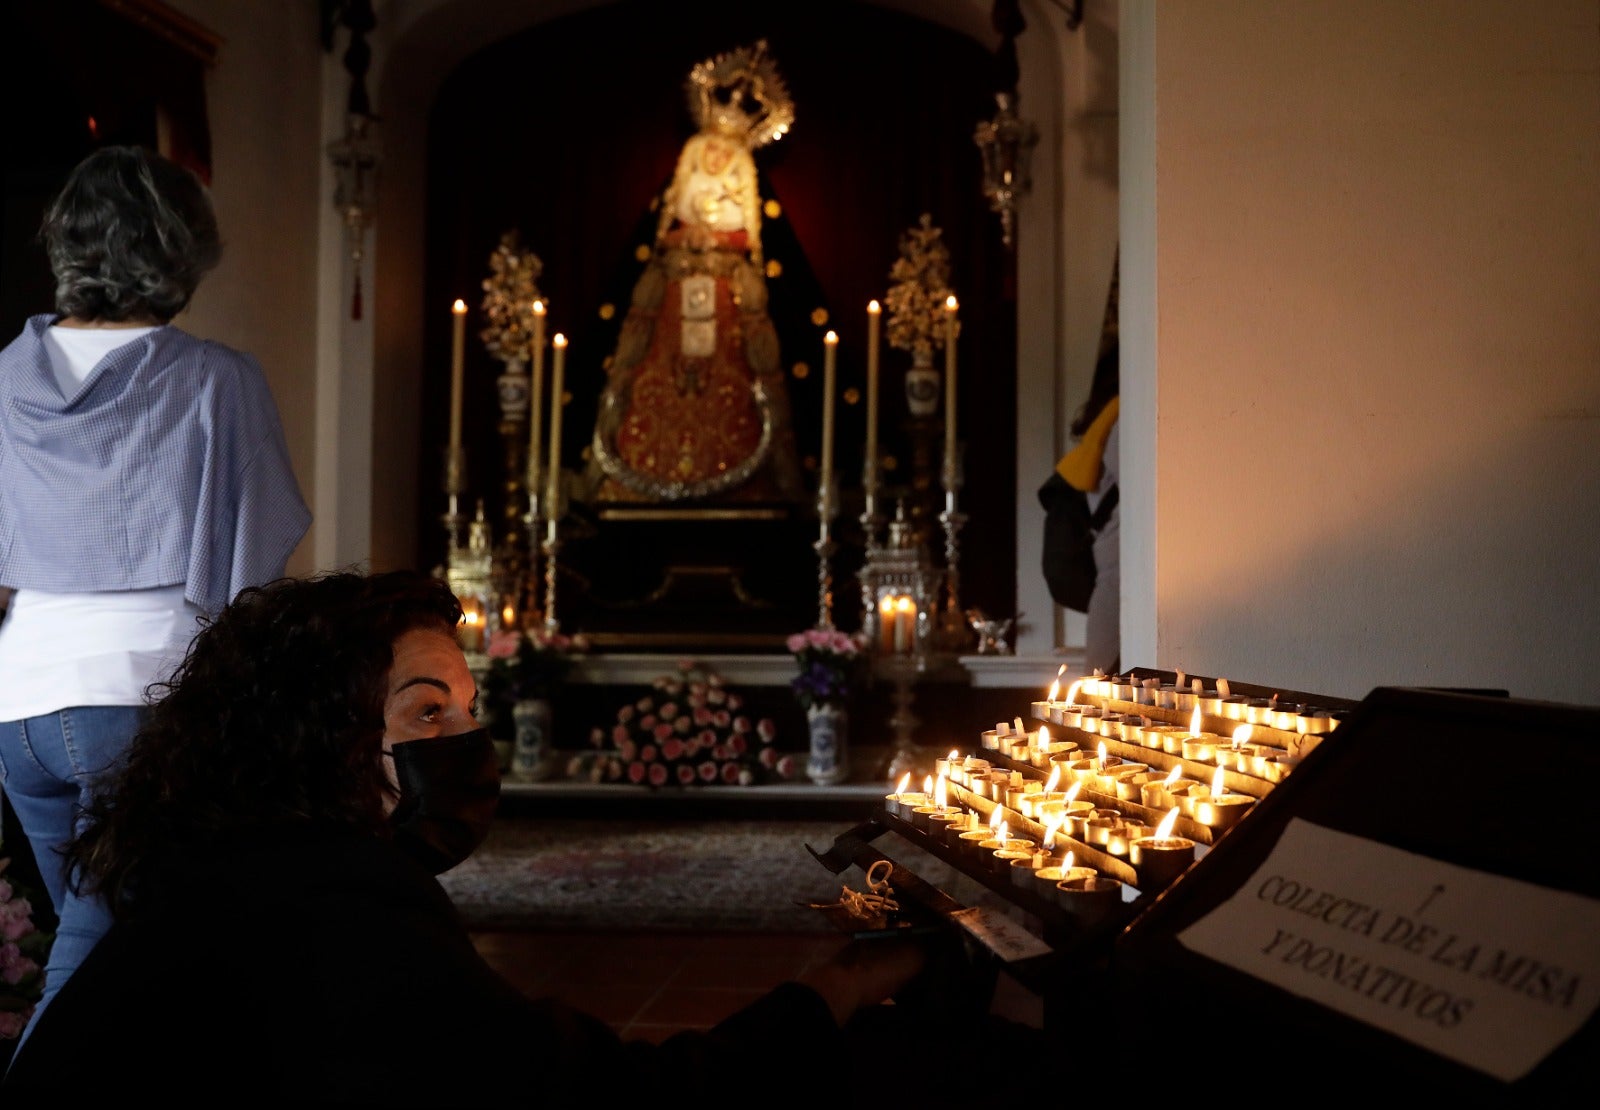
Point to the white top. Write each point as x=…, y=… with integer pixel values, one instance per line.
x=64, y=649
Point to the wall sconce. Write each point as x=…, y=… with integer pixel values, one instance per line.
x=355, y=193
x=355, y=154
x=1007, y=143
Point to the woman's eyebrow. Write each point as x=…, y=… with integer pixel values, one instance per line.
x=424, y=681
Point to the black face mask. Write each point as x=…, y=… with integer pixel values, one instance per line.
x=449, y=791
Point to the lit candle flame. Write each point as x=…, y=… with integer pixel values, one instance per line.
x=1066, y=864
x=1172, y=775
x=1072, y=791
x=954, y=755
x=1054, y=780
x=1102, y=755
x=1217, y=786
x=1241, y=734
x=1004, y=833
x=996, y=820
x=1194, y=720
x=1164, y=830
x=1043, y=739
x=939, y=793
x=905, y=781
x=1061, y=670
x=1055, y=691
x=1072, y=691
x=1050, y=833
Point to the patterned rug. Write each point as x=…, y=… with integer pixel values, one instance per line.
x=668, y=875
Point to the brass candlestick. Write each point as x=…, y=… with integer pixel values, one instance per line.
x=951, y=520
x=827, y=507
x=533, y=524
x=552, y=545
x=455, y=484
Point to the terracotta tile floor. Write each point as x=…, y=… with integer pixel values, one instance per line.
x=650, y=985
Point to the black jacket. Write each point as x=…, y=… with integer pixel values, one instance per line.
x=319, y=967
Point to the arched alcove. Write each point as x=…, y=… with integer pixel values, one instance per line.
x=1059, y=292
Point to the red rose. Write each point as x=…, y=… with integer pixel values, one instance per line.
x=702, y=716
x=682, y=725
x=636, y=772
x=685, y=774
x=787, y=767
x=658, y=774
x=648, y=753
x=671, y=748
x=708, y=771
x=730, y=773
x=620, y=735
x=647, y=722
x=768, y=757
x=662, y=732
x=627, y=749
x=737, y=745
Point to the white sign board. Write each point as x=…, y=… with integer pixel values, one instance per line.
x=1490, y=972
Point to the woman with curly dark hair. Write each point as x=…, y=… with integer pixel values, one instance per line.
x=269, y=849
x=144, y=480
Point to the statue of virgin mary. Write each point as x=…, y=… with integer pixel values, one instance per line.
x=695, y=406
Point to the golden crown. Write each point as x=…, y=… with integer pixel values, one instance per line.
x=740, y=93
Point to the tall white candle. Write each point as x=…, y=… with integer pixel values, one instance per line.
x=829, y=370
x=557, y=386
x=950, y=379
x=874, y=327
x=458, y=347
x=536, y=398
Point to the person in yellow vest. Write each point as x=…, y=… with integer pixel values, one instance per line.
x=1091, y=466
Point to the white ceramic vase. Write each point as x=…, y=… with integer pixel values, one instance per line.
x=828, y=761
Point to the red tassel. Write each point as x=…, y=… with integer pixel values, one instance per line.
x=355, y=300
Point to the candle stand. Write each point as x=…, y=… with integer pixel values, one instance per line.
x=455, y=484
x=513, y=552
x=552, y=545
x=533, y=603
x=1125, y=852
x=953, y=626
x=827, y=508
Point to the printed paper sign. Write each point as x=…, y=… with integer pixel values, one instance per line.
x=1491, y=972
x=1000, y=934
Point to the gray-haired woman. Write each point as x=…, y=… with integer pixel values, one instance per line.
x=144, y=481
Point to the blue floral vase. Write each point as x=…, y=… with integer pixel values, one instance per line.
x=827, y=761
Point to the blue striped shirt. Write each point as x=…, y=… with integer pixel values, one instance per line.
x=168, y=466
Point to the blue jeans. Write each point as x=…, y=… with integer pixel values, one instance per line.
x=47, y=765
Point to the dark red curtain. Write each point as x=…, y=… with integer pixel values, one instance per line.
x=568, y=133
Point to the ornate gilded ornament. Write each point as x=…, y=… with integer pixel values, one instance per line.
x=920, y=283
x=508, y=295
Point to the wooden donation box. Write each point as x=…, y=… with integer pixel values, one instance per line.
x=1411, y=903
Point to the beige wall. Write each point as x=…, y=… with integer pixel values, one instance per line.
x=1377, y=404
x=263, y=296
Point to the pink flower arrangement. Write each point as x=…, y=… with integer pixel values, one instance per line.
x=525, y=665
x=23, y=948
x=690, y=730
x=829, y=662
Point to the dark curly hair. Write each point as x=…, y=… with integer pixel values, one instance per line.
x=130, y=235
x=275, y=716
